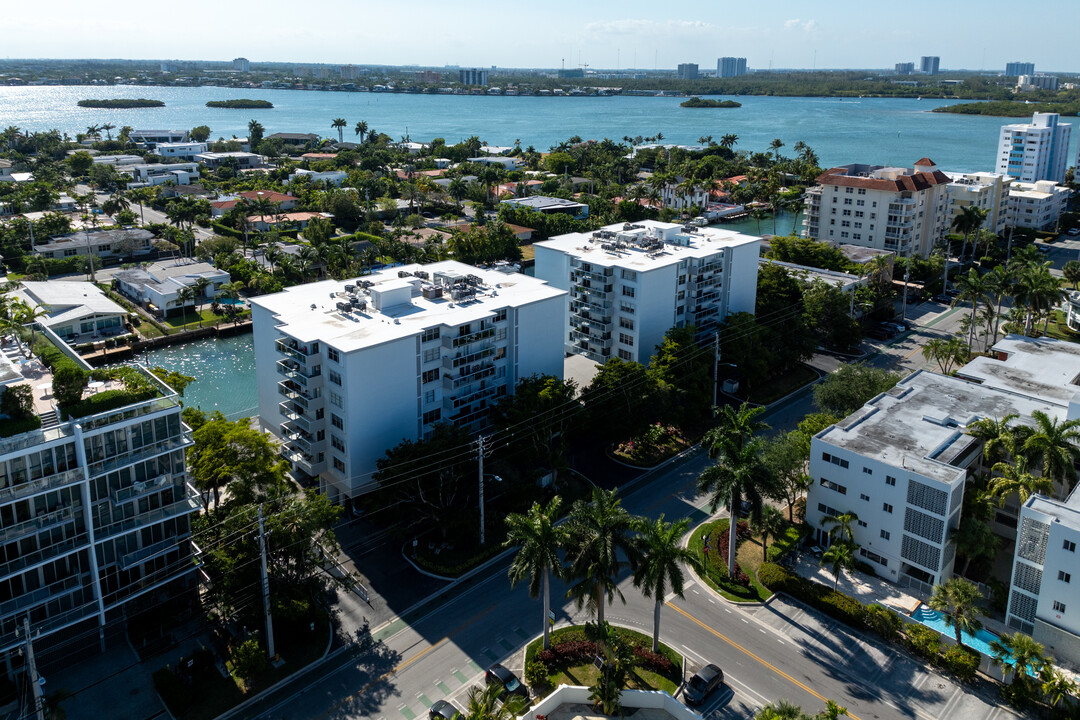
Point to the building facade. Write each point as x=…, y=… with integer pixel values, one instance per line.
x=473, y=76
x=181, y=151
x=1016, y=69
x=730, y=67
x=930, y=64
x=984, y=190
x=885, y=208
x=1035, y=151
x=347, y=370
x=687, y=71
x=1027, y=83
x=242, y=64
x=94, y=515
x=904, y=68
x=1037, y=205
x=629, y=284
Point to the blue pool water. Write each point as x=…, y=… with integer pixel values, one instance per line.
x=932, y=618
x=228, y=301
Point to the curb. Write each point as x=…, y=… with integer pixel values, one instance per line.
x=705, y=583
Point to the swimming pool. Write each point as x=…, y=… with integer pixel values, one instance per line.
x=228, y=301
x=932, y=618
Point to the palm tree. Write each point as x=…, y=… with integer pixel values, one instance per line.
x=108, y=128
x=841, y=527
x=996, y=435
x=958, y=600
x=539, y=540
x=769, y=524
x=199, y=288
x=26, y=314
x=968, y=221
x=457, y=189
x=734, y=444
x=1054, y=445
x=141, y=196
x=361, y=130
x=1071, y=272
x=1019, y=651
x=728, y=141
x=841, y=556
x=184, y=296
x=601, y=530
x=339, y=124
x=972, y=289
x=781, y=710
x=775, y=146
x=1056, y=686
x=662, y=558
x=1015, y=478
x=945, y=352
x=484, y=704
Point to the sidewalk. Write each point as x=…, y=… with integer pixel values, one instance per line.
x=862, y=587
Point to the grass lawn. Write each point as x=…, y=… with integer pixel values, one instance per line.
x=716, y=574
x=209, y=319
x=586, y=674
x=528, y=252
x=777, y=387
x=1059, y=329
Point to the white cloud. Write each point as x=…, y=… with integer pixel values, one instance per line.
x=804, y=25
x=650, y=27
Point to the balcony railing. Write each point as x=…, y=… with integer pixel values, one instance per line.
x=34, y=597
x=461, y=340
x=150, y=551
x=33, y=525
x=185, y=506
x=293, y=366
x=154, y=449
x=300, y=353
x=50, y=482
x=138, y=489
x=292, y=393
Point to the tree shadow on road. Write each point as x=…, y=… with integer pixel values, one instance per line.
x=371, y=679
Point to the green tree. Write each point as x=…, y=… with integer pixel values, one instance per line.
x=68, y=384
x=770, y=524
x=946, y=353
x=827, y=312
x=80, y=162
x=1071, y=272
x=975, y=290
x=339, y=125
x=681, y=371
x=841, y=527
x=996, y=434
x=600, y=529
x=618, y=402
x=248, y=659
x=1018, y=651
x=785, y=462
x=958, y=600
x=484, y=704
x=968, y=221
x=738, y=471
x=661, y=567
x=539, y=413
x=255, y=134
x=1015, y=477
x=840, y=556
x=184, y=297
x=1053, y=445
x=781, y=710
x=1057, y=686
x=234, y=455
x=851, y=386
x=199, y=133
x=539, y=541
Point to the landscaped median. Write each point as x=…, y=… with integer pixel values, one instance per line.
x=745, y=587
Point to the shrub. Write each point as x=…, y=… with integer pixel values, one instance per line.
x=923, y=641
x=829, y=601
x=17, y=402
x=657, y=662
x=536, y=674
x=771, y=575
x=570, y=652
x=248, y=658
x=18, y=426
x=69, y=381
x=883, y=621
x=961, y=661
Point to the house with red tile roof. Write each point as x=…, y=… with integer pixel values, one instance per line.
x=281, y=200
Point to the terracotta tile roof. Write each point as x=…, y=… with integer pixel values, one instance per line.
x=284, y=217
x=924, y=161
x=913, y=183
x=319, y=156
x=269, y=194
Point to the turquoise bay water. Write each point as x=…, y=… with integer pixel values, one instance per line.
x=224, y=372
x=872, y=130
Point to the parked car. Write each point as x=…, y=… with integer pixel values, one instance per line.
x=877, y=333
x=443, y=710
x=704, y=682
x=499, y=675
x=1075, y=231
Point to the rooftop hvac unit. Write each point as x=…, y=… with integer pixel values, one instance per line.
x=474, y=280
x=350, y=288
x=361, y=306
x=422, y=274
x=404, y=273
x=431, y=292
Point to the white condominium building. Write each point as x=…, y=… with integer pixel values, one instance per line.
x=1037, y=205
x=885, y=208
x=1035, y=151
x=348, y=369
x=985, y=190
x=628, y=284
x=94, y=514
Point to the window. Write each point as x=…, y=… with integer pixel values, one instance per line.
x=626, y=354
x=884, y=534
x=339, y=465
x=834, y=486
x=867, y=470
x=864, y=496
x=432, y=416
x=430, y=334
x=629, y=275
x=337, y=421
x=1069, y=545
x=847, y=201
x=627, y=307
x=430, y=375
x=862, y=191
x=337, y=443
x=861, y=523
x=336, y=400
x=500, y=316
x=333, y=354
x=626, y=339
x=627, y=323
x=849, y=190
x=870, y=555
x=432, y=354
x=334, y=377
x=429, y=396
x=1064, y=576
x=627, y=291
x=890, y=480
x=1059, y=606
x=834, y=460
x=886, y=507
x=847, y=213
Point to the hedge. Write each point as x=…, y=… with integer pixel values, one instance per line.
x=17, y=426
x=226, y=231
x=823, y=598
x=107, y=400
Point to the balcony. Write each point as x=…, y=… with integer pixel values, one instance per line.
x=603, y=308
x=294, y=393
x=600, y=357
x=185, y=506
x=484, y=391
x=150, y=552
x=139, y=489
x=286, y=366
x=603, y=340
x=468, y=339
x=35, y=597
x=601, y=275
x=451, y=383
x=296, y=439
x=32, y=526
x=183, y=440
x=293, y=349
x=34, y=487
x=462, y=359
x=51, y=552
x=297, y=419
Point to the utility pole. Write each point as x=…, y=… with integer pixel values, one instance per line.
x=266, y=590
x=907, y=275
x=31, y=671
x=481, y=449
x=716, y=370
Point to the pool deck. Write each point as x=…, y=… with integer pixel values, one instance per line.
x=864, y=588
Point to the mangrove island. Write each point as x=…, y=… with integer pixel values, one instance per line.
x=696, y=102
x=121, y=103
x=241, y=104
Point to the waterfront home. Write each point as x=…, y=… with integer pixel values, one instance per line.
x=157, y=288
x=294, y=139
x=108, y=243
x=161, y=173
x=506, y=163
x=281, y=201
x=243, y=160
x=550, y=205
x=285, y=221
x=151, y=138
x=76, y=311
x=5, y=171
x=181, y=151
x=118, y=160
x=331, y=177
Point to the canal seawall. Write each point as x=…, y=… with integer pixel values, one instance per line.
x=106, y=357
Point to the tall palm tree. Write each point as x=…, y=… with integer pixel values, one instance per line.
x=199, y=288
x=968, y=221
x=661, y=570
x=361, y=130
x=775, y=146
x=539, y=540
x=781, y=710
x=600, y=529
x=841, y=556
x=339, y=125
x=1071, y=272
x=184, y=296
x=728, y=141
x=1019, y=651
x=996, y=434
x=770, y=524
x=841, y=527
x=1055, y=446
x=108, y=128
x=974, y=289
x=1056, y=686
x=958, y=600
x=1015, y=477
x=738, y=472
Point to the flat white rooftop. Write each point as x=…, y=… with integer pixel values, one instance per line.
x=646, y=245
x=809, y=274
x=1042, y=368
x=310, y=312
x=918, y=425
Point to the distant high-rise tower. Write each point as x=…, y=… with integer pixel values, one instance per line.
x=473, y=77
x=730, y=67
x=241, y=64
x=687, y=71
x=905, y=68
x=930, y=64
x=1016, y=69
x=1035, y=151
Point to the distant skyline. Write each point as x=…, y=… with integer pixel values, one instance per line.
x=968, y=34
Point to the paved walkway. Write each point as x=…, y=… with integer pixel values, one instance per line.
x=862, y=587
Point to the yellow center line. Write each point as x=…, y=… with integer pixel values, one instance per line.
x=918, y=349
x=764, y=662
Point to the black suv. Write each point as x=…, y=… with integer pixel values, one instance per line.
x=499, y=675
x=704, y=682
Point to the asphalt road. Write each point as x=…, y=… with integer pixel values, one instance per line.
x=770, y=652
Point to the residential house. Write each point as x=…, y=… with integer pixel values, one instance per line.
x=550, y=205
x=281, y=201
x=294, y=139
x=181, y=151
x=107, y=243
x=77, y=312
x=285, y=220
x=1036, y=205
x=243, y=160
x=152, y=138
x=157, y=288
x=161, y=173
x=329, y=177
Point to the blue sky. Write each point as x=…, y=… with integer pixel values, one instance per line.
x=599, y=33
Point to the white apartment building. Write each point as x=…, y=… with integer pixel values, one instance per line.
x=1035, y=151
x=1027, y=83
x=181, y=151
x=1037, y=205
x=673, y=195
x=160, y=173
x=94, y=514
x=885, y=208
x=152, y=138
x=985, y=190
x=629, y=284
x=347, y=370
